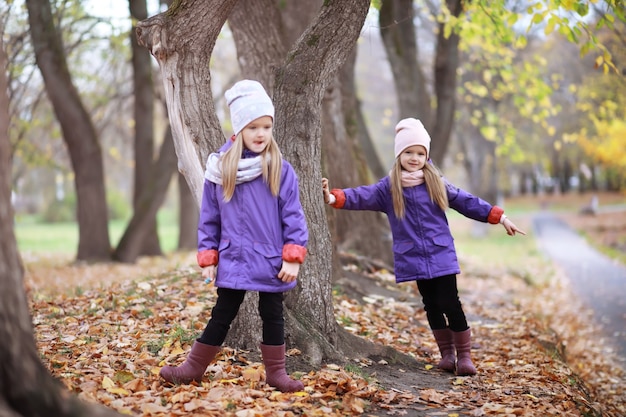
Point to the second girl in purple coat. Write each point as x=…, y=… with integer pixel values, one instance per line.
x=252, y=236
x=414, y=197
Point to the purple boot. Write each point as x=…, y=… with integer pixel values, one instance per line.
x=275, y=374
x=194, y=366
x=462, y=342
x=444, y=340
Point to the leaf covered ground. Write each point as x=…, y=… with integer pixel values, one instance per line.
x=105, y=330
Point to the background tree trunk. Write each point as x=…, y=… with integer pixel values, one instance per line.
x=446, y=66
x=26, y=387
x=152, y=196
x=363, y=232
x=399, y=38
x=144, y=125
x=78, y=132
x=397, y=30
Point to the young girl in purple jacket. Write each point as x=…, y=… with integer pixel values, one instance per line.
x=414, y=197
x=252, y=223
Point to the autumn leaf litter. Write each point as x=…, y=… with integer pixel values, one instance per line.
x=108, y=338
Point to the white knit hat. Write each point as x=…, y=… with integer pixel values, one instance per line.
x=248, y=101
x=411, y=132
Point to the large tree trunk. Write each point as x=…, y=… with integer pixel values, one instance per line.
x=182, y=41
x=26, y=387
x=260, y=52
x=78, y=132
x=144, y=125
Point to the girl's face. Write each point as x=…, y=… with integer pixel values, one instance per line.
x=257, y=134
x=413, y=158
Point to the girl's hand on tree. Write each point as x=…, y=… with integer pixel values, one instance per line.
x=511, y=229
x=326, y=190
x=208, y=273
x=289, y=271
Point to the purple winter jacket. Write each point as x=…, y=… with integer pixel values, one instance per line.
x=248, y=237
x=423, y=246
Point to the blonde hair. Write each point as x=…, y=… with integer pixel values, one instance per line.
x=434, y=184
x=272, y=166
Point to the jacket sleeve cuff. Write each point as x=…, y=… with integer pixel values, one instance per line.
x=340, y=198
x=207, y=257
x=294, y=253
x=494, y=215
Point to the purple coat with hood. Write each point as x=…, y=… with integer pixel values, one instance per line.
x=423, y=246
x=249, y=237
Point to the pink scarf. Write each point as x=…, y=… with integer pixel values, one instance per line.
x=411, y=179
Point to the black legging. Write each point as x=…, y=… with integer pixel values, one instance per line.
x=441, y=301
x=227, y=307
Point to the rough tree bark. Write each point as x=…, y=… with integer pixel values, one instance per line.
x=144, y=125
x=399, y=38
x=182, y=40
x=397, y=30
x=26, y=387
x=187, y=216
x=78, y=132
x=446, y=66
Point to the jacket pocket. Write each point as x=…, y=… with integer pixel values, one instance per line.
x=443, y=240
x=403, y=259
x=268, y=265
x=403, y=246
x=267, y=250
x=224, y=244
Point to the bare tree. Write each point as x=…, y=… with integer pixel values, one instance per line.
x=144, y=125
x=26, y=386
x=78, y=132
x=414, y=99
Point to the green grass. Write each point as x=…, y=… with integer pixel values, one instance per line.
x=34, y=236
x=495, y=246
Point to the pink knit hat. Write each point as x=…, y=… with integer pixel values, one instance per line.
x=411, y=132
x=248, y=101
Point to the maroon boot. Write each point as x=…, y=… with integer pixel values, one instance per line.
x=444, y=340
x=194, y=366
x=275, y=374
x=462, y=342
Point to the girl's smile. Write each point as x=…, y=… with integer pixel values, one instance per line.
x=413, y=158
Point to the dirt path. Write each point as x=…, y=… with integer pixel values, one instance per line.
x=598, y=280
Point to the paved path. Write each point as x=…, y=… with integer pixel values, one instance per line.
x=598, y=280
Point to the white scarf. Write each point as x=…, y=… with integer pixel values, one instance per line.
x=247, y=169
